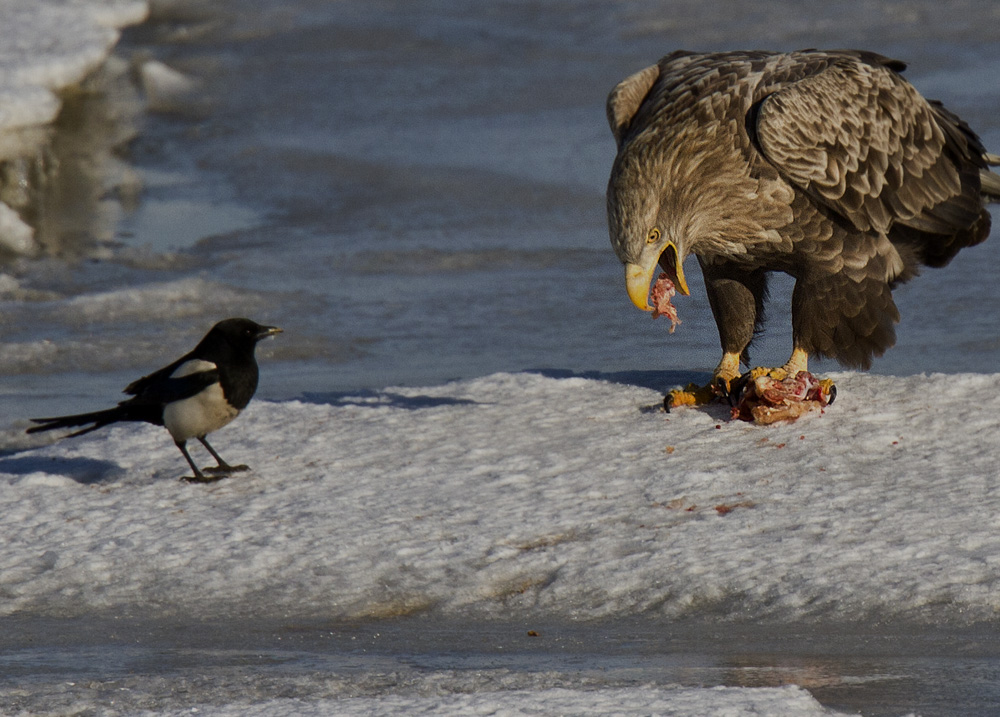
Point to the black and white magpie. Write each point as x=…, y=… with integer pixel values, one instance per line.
x=198, y=393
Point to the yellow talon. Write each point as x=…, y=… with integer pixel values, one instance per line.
x=726, y=372
x=778, y=374
x=690, y=395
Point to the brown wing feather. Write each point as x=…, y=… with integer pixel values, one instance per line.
x=860, y=139
x=625, y=98
x=851, y=321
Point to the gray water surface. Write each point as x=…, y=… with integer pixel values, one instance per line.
x=127, y=664
x=415, y=192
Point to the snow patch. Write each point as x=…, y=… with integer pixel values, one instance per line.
x=562, y=498
x=667, y=702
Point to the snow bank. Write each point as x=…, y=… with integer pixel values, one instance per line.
x=563, y=497
x=45, y=47
x=719, y=701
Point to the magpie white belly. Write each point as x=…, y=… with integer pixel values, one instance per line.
x=199, y=415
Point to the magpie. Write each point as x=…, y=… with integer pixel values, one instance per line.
x=200, y=392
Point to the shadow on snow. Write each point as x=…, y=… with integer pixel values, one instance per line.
x=86, y=471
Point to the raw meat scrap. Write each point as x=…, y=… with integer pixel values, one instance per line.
x=663, y=290
x=768, y=400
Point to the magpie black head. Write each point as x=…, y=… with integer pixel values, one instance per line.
x=233, y=337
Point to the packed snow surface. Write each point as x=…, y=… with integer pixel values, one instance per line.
x=552, y=496
x=678, y=702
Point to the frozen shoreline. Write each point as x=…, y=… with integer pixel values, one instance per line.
x=39, y=59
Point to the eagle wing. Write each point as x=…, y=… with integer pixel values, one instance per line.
x=861, y=141
x=625, y=99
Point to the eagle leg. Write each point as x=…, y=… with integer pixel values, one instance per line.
x=799, y=361
x=737, y=298
x=725, y=373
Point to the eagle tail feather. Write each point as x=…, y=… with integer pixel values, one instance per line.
x=990, y=184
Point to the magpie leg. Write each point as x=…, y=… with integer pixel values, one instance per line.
x=198, y=476
x=223, y=467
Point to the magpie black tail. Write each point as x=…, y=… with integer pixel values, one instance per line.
x=99, y=419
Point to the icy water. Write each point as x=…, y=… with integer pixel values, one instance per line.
x=414, y=191
x=127, y=665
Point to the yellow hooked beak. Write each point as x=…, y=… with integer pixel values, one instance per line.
x=638, y=278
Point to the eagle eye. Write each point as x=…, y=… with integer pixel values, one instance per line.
x=653, y=236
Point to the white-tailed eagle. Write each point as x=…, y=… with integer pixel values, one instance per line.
x=827, y=166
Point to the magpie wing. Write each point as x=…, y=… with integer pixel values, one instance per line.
x=182, y=379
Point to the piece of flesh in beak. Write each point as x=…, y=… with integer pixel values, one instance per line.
x=639, y=278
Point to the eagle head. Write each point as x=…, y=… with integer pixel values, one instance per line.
x=642, y=233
